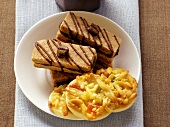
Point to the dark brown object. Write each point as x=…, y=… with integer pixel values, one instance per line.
x=81, y=5
x=62, y=51
x=93, y=29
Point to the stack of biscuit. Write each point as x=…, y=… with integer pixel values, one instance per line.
x=65, y=60
x=79, y=47
x=78, y=30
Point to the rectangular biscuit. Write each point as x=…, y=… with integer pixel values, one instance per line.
x=86, y=33
x=60, y=78
x=100, y=56
x=65, y=57
x=99, y=64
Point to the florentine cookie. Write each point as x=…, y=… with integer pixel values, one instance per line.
x=94, y=96
x=122, y=84
x=57, y=103
x=85, y=98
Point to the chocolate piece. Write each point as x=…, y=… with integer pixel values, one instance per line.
x=62, y=51
x=92, y=29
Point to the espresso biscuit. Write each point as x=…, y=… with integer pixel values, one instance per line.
x=78, y=60
x=100, y=65
x=65, y=39
x=61, y=78
x=100, y=56
x=85, y=33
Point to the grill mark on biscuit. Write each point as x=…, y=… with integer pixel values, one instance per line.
x=116, y=53
x=72, y=16
x=78, y=26
x=106, y=40
x=76, y=23
x=39, y=48
x=79, y=54
x=86, y=26
x=116, y=40
x=99, y=40
x=54, y=54
x=91, y=50
x=54, y=42
x=110, y=45
x=85, y=54
x=76, y=64
x=71, y=58
x=95, y=57
x=70, y=33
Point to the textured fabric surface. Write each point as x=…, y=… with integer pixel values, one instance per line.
x=155, y=46
x=7, y=87
x=125, y=13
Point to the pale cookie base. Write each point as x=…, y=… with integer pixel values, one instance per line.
x=80, y=114
x=59, y=113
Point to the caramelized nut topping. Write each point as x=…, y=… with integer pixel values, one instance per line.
x=62, y=51
x=92, y=29
x=50, y=105
x=105, y=73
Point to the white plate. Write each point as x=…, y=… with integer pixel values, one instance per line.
x=35, y=83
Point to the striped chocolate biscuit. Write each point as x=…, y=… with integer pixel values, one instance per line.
x=65, y=57
x=100, y=56
x=61, y=78
x=85, y=33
